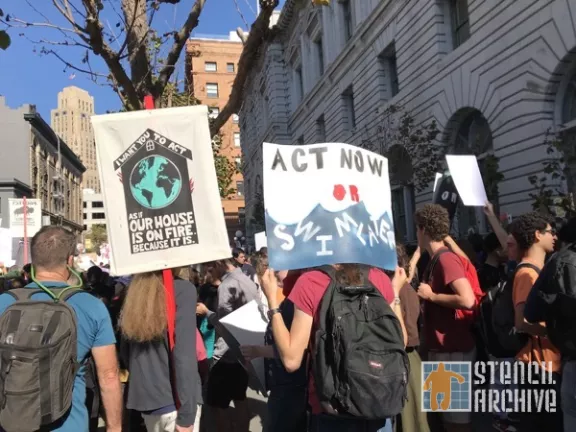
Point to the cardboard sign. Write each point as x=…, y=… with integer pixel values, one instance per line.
x=33, y=212
x=327, y=204
x=260, y=240
x=160, y=189
x=246, y=326
x=468, y=180
x=445, y=194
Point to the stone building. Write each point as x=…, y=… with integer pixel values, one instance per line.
x=495, y=76
x=211, y=65
x=71, y=121
x=36, y=163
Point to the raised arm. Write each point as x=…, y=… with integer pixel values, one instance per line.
x=495, y=224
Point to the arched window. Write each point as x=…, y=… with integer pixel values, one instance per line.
x=569, y=102
x=568, y=133
x=402, y=190
x=472, y=135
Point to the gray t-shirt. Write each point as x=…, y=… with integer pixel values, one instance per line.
x=234, y=292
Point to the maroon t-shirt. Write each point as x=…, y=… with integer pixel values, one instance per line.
x=307, y=295
x=443, y=332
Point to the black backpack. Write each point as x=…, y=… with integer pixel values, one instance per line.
x=496, y=321
x=359, y=362
x=38, y=363
x=560, y=316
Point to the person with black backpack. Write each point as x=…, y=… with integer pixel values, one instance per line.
x=48, y=330
x=350, y=319
x=553, y=301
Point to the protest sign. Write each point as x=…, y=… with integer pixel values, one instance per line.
x=33, y=210
x=5, y=246
x=246, y=326
x=160, y=189
x=260, y=240
x=327, y=204
x=445, y=193
x=468, y=180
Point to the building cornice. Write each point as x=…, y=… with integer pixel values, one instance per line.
x=17, y=185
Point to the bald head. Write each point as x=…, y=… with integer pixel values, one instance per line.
x=52, y=247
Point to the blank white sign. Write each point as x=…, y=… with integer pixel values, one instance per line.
x=468, y=180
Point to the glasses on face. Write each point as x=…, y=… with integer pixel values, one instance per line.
x=550, y=231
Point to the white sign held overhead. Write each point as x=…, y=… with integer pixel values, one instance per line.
x=33, y=211
x=160, y=189
x=468, y=180
x=260, y=240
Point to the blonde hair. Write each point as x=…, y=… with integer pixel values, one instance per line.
x=143, y=317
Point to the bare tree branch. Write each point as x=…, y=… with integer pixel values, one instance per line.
x=100, y=47
x=137, y=39
x=256, y=42
x=69, y=65
x=179, y=42
x=241, y=14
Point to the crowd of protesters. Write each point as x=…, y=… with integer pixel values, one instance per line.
x=132, y=376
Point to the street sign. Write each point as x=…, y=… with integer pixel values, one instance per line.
x=32, y=208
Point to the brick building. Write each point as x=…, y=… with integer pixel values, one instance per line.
x=211, y=64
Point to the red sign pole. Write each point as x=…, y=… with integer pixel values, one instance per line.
x=168, y=280
x=25, y=206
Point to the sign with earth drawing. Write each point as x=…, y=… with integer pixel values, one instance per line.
x=160, y=189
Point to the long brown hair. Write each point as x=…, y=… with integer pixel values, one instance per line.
x=348, y=274
x=143, y=317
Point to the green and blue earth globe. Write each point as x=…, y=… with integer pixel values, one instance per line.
x=155, y=182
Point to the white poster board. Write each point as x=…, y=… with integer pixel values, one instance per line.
x=468, y=180
x=33, y=216
x=260, y=240
x=327, y=204
x=5, y=246
x=248, y=325
x=436, y=180
x=160, y=189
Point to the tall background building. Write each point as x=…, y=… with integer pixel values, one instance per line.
x=211, y=65
x=71, y=120
x=495, y=77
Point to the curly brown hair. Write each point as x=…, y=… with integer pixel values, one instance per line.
x=434, y=220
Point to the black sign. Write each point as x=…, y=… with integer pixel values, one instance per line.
x=157, y=190
x=446, y=194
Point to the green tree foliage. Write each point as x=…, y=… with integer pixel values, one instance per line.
x=399, y=136
x=550, y=195
x=97, y=236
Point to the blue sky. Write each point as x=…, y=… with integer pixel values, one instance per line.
x=28, y=77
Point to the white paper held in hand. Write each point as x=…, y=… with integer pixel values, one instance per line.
x=468, y=180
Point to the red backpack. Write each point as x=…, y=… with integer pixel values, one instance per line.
x=471, y=275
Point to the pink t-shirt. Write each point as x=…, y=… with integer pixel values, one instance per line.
x=307, y=295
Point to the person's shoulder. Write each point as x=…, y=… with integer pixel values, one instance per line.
x=87, y=303
x=378, y=277
x=184, y=289
x=6, y=300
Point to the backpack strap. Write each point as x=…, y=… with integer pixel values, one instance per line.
x=527, y=265
x=432, y=265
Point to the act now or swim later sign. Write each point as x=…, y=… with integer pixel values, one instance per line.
x=327, y=204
